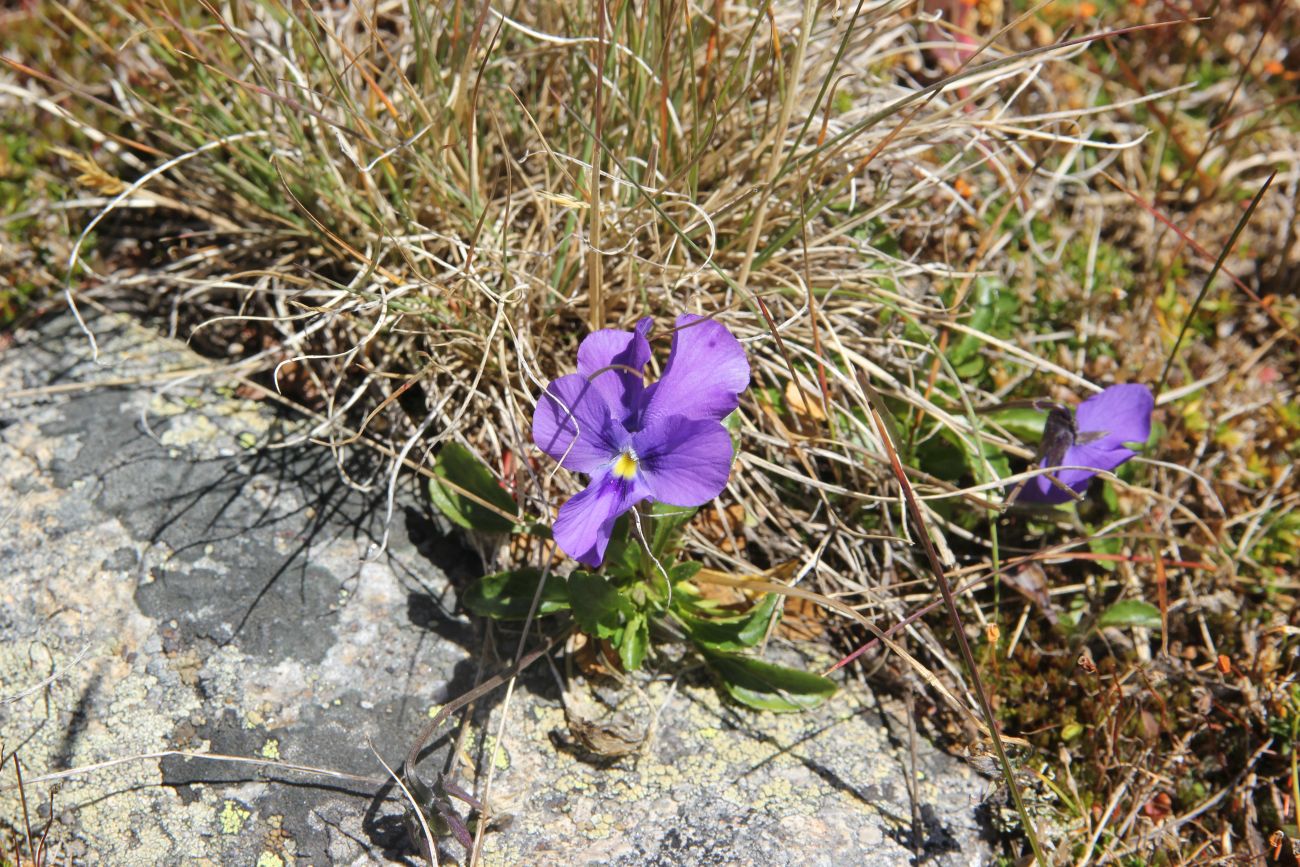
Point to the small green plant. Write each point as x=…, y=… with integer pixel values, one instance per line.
x=655, y=454
x=646, y=587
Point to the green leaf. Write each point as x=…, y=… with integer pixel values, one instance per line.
x=456, y=471
x=950, y=457
x=684, y=571
x=766, y=686
x=1106, y=545
x=634, y=643
x=756, y=622
x=667, y=523
x=1021, y=421
x=509, y=595
x=623, y=556
x=1074, y=617
x=732, y=633
x=997, y=462
x=1130, y=612
x=1111, y=499
x=982, y=320
x=970, y=369
x=597, y=605
x=979, y=457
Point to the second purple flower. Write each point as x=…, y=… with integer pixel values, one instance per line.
x=1093, y=438
x=663, y=442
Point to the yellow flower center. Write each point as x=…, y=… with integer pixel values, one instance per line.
x=625, y=466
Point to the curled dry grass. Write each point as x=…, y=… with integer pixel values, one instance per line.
x=405, y=216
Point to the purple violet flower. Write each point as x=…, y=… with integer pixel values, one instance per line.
x=1093, y=436
x=664, y=441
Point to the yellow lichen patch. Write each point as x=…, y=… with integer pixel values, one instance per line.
x=497, y=751
x=232, y=817
x=271, y=749
x=160, y=406
x=197, y=429
x=269, y=859
x=780, y=795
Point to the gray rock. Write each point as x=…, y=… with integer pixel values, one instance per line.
x=197, y=588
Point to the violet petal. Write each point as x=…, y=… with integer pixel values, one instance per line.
x=1105, y=422
x=1095, y=456
x=705, y=375
x=1040, y=489
x=583, y=525
x=1122, y=412
x=572, y=424
x=684, y=461
x=609, y=358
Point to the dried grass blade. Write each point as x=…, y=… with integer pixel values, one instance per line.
x=936, y=567
x=1209, y=278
